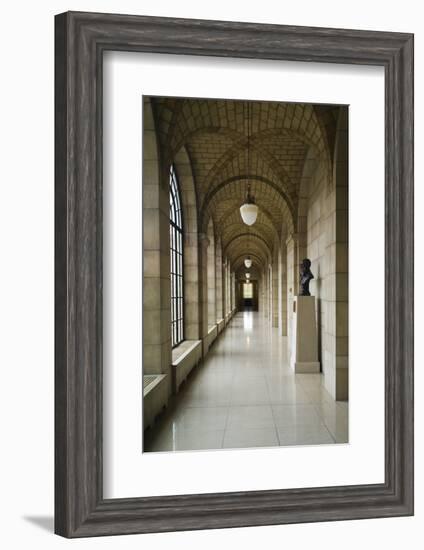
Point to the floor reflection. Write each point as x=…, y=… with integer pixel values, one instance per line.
x=246, y=395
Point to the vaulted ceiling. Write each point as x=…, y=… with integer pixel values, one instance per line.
x=216, y=133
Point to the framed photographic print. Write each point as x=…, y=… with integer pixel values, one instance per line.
x=234, y=274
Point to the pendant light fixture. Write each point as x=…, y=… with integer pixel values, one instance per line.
x=248, y=210
x=247, y=276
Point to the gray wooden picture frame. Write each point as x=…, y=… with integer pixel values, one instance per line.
x=80, y=40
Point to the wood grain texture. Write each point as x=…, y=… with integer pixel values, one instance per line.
x=80, y=509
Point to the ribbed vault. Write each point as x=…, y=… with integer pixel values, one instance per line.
x=215, y=133
x=254, y=272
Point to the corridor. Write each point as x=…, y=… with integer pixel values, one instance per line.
x=244, y=394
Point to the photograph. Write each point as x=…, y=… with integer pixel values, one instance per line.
x=210, y=318
x=226, y=193
x=245, y=274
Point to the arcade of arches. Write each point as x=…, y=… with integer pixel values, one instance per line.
x=208, y=330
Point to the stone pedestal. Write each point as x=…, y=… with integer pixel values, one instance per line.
x=304, y=345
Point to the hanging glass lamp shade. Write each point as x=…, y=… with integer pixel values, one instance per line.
x=248, y=262
x=249, y=212
x=247, y=275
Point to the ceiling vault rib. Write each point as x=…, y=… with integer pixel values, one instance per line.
x=224, y=159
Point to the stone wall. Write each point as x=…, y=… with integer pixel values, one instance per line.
x=340, y=177
x=320, y=238
x=327, y=248
x=156, y=278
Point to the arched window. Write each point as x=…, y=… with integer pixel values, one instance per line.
x=176, y=249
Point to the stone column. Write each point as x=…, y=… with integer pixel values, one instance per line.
x=292, y=279
x=224, y=287
x=190, y=227
x=275, y=290
x=156, y=264
x=233, y=290
x=265, y=292
x=260, y=293
x=228, y=285
x=342, y=256
x=271, y=293
x=238, y=295
x=283, y=287
x=203, y=287
x=218, y=286
x=302, y=238
x=191, y=287
x=211, y=281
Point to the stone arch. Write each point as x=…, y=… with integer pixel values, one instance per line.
x=250, y=235
x=285, y=202
x=266, y=232
x=186, y=183
x=181, y=120
x=262, y=162
x=243, y=244
x=191, y=114
x=240, y=269
x=233, y=135
x=271, y=199
x=230, y=216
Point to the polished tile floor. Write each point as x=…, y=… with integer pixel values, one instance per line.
x=246, y=395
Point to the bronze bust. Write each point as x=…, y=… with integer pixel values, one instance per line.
x=305, y=277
